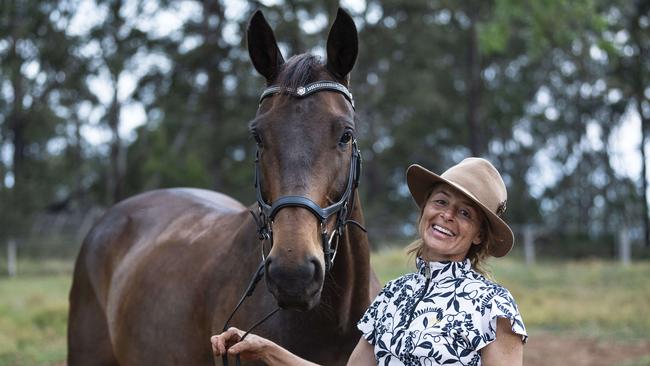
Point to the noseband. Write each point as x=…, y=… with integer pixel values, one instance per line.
x=343, y=207
x=267, y=211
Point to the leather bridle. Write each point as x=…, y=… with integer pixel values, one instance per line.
x=268, y=211
x=342, y=208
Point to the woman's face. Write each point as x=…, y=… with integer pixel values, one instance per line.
x=449, y=226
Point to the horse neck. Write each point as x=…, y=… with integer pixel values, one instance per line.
x=346, y=286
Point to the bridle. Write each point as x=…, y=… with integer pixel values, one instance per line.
x=343, y=208
x=268, y=211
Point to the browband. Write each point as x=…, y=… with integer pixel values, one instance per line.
x=303, y=91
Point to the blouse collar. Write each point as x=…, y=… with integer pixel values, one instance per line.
x=443, y=269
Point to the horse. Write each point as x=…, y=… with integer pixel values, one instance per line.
x=161, y=272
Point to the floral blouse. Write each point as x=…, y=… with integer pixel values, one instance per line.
x=441, y=315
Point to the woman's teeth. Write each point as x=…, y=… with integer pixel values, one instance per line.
x=443, y=230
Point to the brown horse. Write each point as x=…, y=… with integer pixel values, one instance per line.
x=161, y=271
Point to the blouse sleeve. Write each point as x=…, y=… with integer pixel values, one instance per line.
x=499, y=303
x=369, y=320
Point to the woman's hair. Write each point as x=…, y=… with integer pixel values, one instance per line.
x=477, y=254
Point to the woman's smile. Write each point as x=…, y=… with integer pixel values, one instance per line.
x=443, y=230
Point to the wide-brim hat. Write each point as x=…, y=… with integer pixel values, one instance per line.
x=481, y=183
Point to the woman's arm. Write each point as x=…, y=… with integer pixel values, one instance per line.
x=507, y=349
x=363, y=354
x=254, y=347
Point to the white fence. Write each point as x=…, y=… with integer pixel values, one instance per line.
x=625, y=240
x=50, y=235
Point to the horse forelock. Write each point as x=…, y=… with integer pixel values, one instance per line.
x=300, y=70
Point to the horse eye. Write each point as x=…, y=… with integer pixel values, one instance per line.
x=347, y=136
x=257, y=138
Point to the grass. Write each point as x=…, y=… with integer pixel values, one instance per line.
x=643, y=361
x=33, y=316
x=591, y=298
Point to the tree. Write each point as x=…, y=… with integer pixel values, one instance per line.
x=120, y=44
x=43, y=91
x=629, y=34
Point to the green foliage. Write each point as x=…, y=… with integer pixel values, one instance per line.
x=41, y=94
x=540, y=88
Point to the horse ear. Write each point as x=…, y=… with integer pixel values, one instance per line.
x=342, y=45
x=263, y=48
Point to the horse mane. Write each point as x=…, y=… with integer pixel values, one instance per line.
x=299, y=70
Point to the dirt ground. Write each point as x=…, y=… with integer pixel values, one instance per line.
x=545, y=350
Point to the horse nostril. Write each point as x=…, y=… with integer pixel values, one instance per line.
x=317, y=270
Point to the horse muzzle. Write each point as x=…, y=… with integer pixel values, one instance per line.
x=295, y=286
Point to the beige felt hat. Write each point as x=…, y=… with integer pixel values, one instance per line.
x=480, y=181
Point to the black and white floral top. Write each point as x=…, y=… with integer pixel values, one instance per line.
x=441, y=315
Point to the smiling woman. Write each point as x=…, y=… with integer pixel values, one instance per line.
x=475, y=191
x=446, y=312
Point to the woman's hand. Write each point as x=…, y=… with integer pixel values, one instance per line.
x=229, y=342
x=254, y=347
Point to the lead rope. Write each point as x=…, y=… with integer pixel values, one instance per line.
x=249, y=291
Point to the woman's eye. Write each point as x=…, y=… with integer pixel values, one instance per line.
x=347, y=136
x=440, y=202
x=465, y=213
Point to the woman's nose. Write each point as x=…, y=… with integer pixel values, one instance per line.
x=447, y=215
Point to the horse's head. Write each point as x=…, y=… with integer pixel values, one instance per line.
x=306, y=148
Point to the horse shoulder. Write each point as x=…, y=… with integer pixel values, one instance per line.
x=152, y=251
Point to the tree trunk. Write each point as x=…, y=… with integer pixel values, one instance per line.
x=294, y=42
x=16, y=120
x=639, y=86
x=473, y=80
x=215, y=95
x=79, y=190
x=115, y=184
x=645, y=124
x=19, y=199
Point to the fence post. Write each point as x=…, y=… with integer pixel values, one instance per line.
x=12, y=268
x=529, y=244
x=624, y=246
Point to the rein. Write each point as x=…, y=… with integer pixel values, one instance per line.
x=267, y=211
